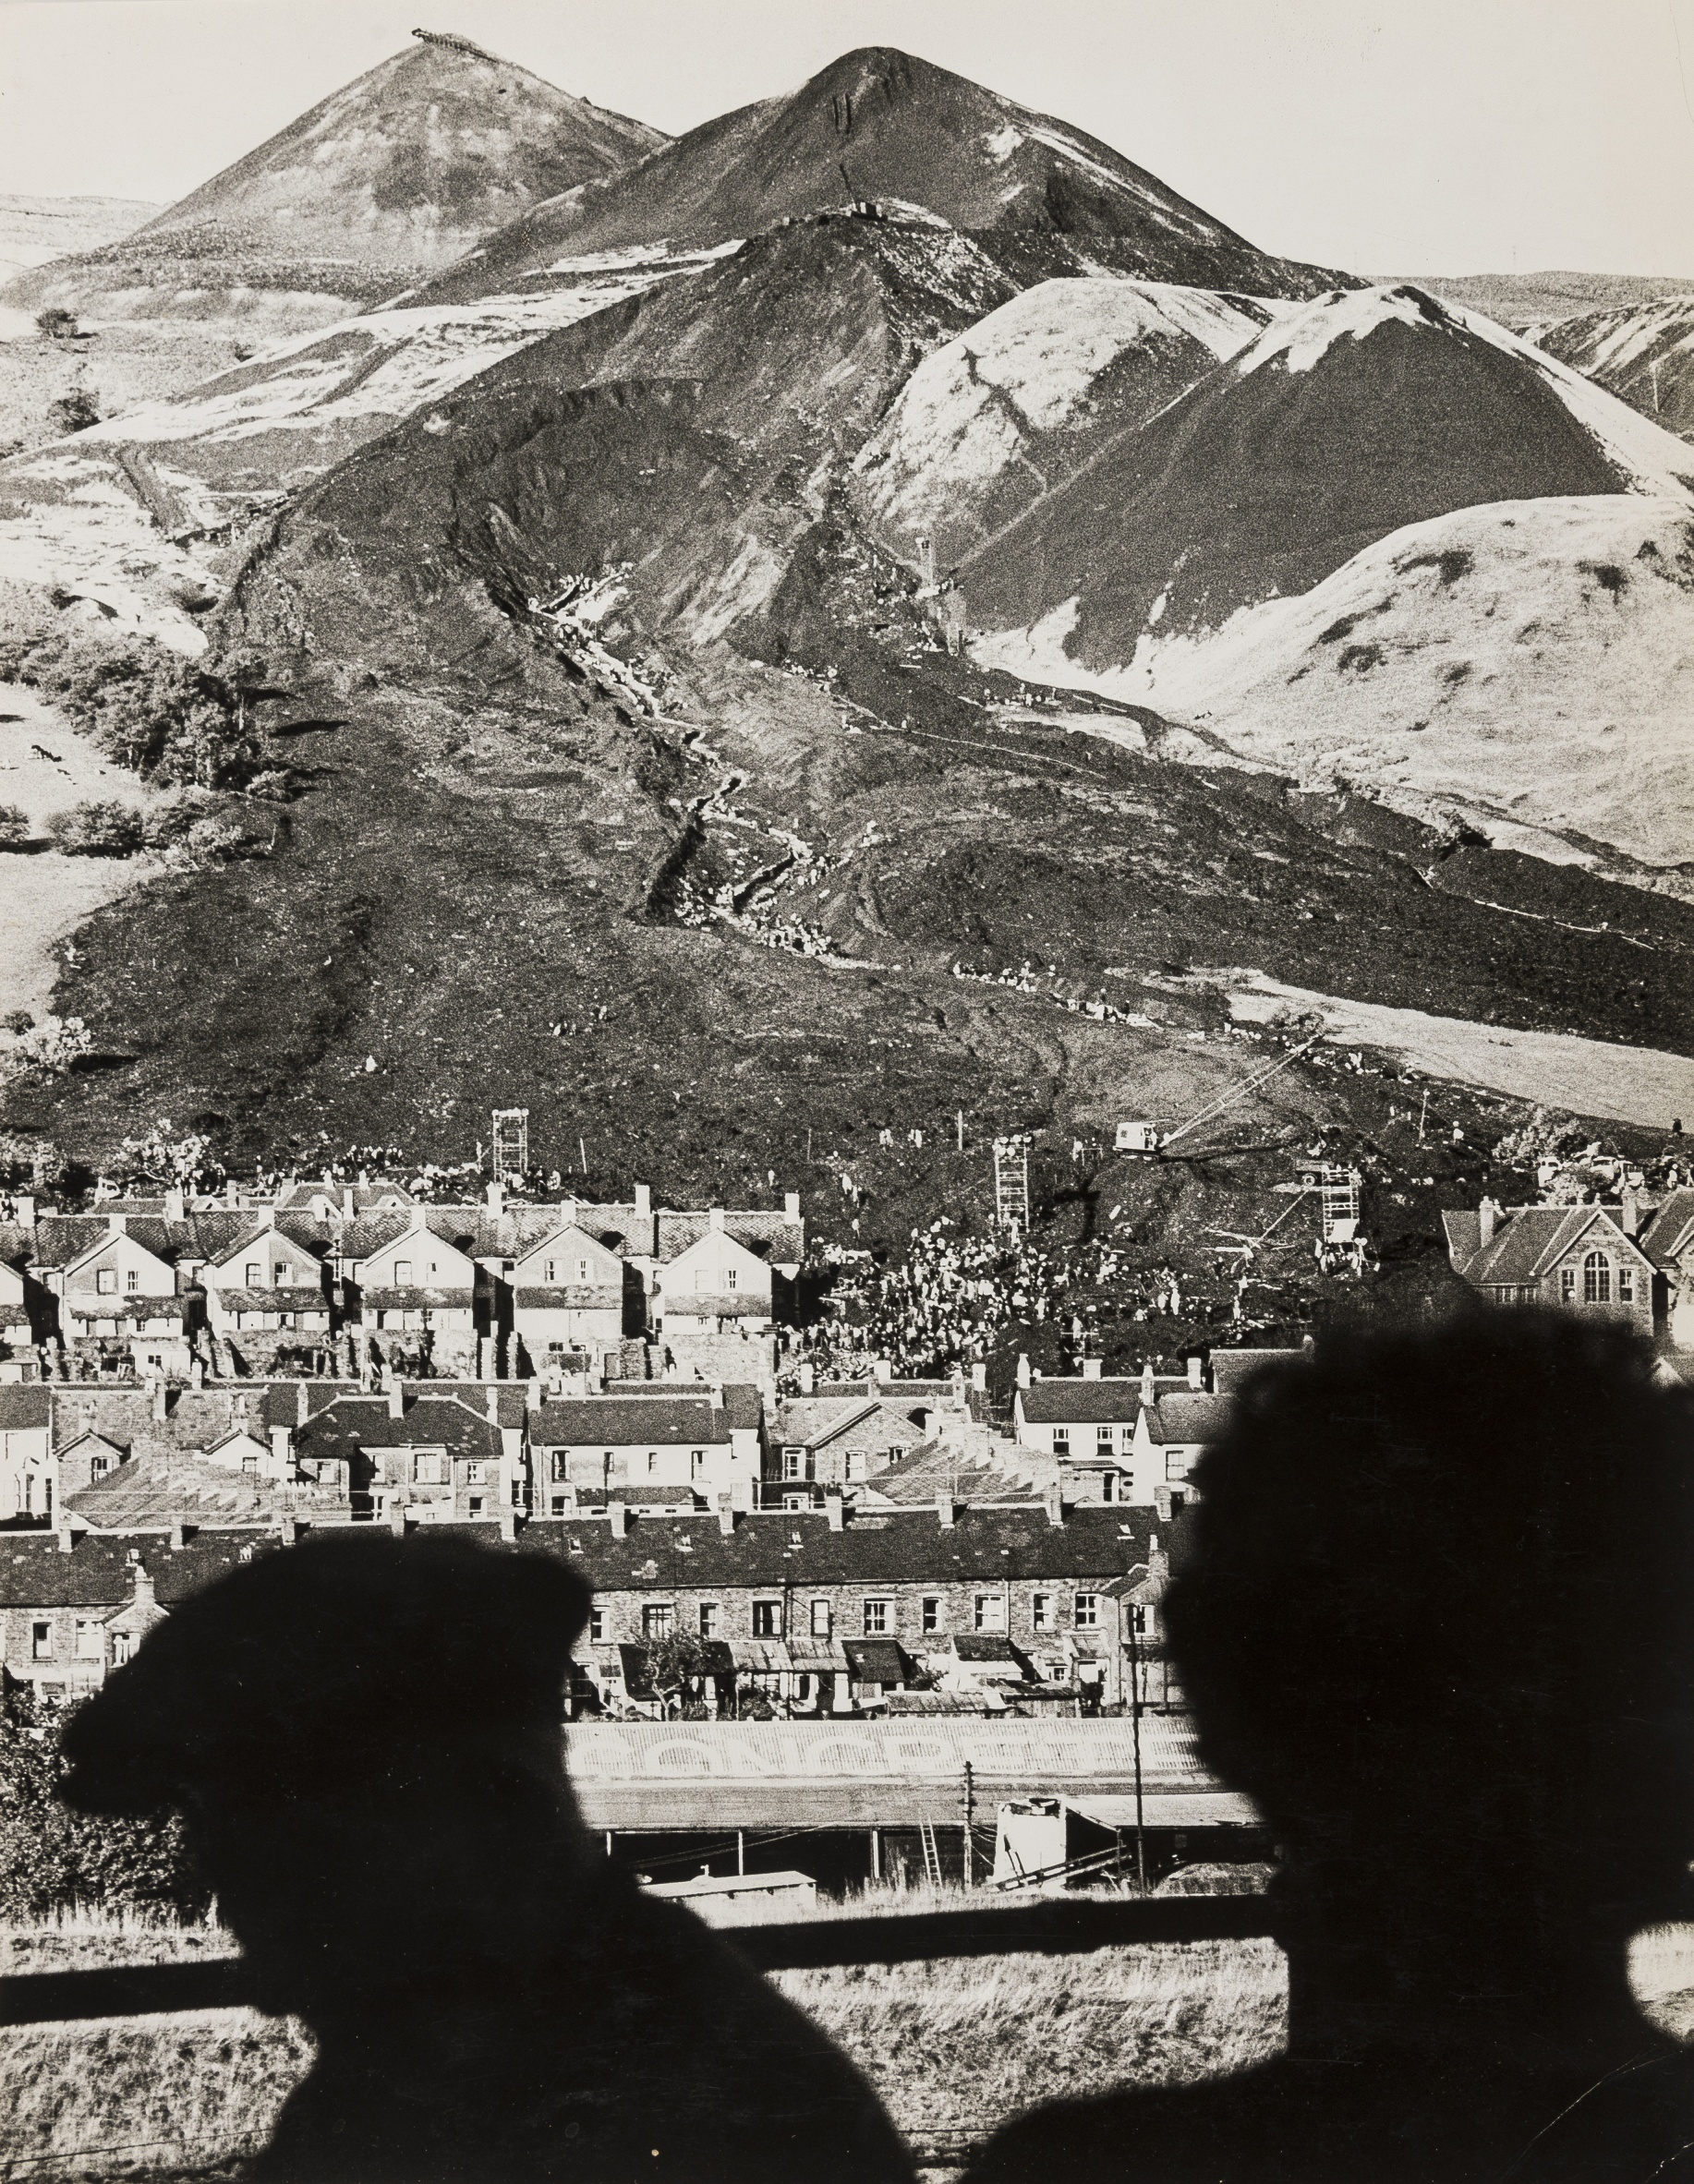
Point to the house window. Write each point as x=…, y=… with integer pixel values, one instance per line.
x=793, y=1463
x=1041, y=1611
x=1626, y=1284
x=932, y=1612
x=1175, y=1465
x=855, y=1463
x=732, y=1280
x=434, y=1270
x=1061, y=1441
x=249, y=1277
x=766, y=1619
x=696, y=1463
x=105, y=1281
x=476, y=1505
x=428, y=1468
x=1087, y=1611
x=132, y=1281
x=796, y=1501
x=1102, y=1441
x=121, y=1643
x=1109, y=1486
x=1567, y=1285
x=475, y=1475
x=41, y=1641
x=89, y=1646
x=990, y=1611
x=582, y=1271
x=560, y=1463
x=652, y=1462
x=596, y=1626
x=658, y=1618
x=878, y=1618
x=279, y=1275
x=402, y=1274
x=549, y=1273
x=1596, y=1279
x=559, y=1502
x=711, y=1616
x=823, y=1619
x=98, y=1466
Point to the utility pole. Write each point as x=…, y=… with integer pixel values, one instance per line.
x=1141, y=1829
x=1423, y=1115
x=970, y=1824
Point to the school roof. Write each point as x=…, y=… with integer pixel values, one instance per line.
x=1667, y=1235
x=1527, y=1241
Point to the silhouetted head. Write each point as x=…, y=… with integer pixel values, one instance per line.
x=1434, y=1613
x=364, y=1735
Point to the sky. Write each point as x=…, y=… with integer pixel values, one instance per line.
x=1421, y=136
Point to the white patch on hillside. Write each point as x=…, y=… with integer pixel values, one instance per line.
x=79, y=529
x=1304, y=338
x=1530, y=662
x=999, y=144
x=1624, y=336
x=974, y=406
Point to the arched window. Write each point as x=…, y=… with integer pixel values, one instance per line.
x=1596, y=1279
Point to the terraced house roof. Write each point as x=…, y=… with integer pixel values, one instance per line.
x=363, y=1422
x=623, y=1422
x=35, y=1571
x=771, y=1235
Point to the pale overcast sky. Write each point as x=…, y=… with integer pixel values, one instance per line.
x=1420, y=136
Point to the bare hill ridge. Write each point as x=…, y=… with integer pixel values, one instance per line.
x=1644, y=356
x=881, y=125
x=395, y=174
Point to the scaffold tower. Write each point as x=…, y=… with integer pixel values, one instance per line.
x=1011, y=1183
x=511, y=1142
x=1337, y=1190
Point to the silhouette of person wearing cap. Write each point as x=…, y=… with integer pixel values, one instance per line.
x=364, y=1736
x=1434, y=1613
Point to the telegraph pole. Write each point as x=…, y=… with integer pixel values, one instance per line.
x=970, y=1824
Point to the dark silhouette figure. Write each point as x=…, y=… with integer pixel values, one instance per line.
x=1433, y=1611
x=364, y=1734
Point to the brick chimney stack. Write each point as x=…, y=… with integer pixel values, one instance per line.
x=1196, y=1374
x=726, y=1519
x=1023, y=1371
x=1092, y=1368
x=491, y=1400
x=1487, y=1214
x=396, y=1397
x=1055, y=1504
x=835, y=1508
x=619, y=1514
x=791, y=1205
x=946, y=1510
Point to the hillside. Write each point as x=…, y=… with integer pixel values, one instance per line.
x=1029, y=394
x=1525, y=301
x=1643, y=356
x=881, y=125
x=397, y=173
x=36, y=230
x=1333, y=428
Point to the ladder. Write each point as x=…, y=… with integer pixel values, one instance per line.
x=1011, y=1183
x=932, y=1856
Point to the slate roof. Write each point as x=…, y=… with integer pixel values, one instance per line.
x=290, y=1299
x=362, y=1421
x=903, y=1547
x=513, y=1396
x=771, y=1235
x=743, y=1406
x=1189, y=1416
x=60, y=1238
x=1527, y=1241
x=1073, y=1401
x=1232, y=1368
x=302, y=1230
x=437, y=1296
x=586, y=1297
x=366, y=1196
x=877, y=1661
x=621, y=1421
x=97, y=1572
x=25, y=1406
x=1667, y=1235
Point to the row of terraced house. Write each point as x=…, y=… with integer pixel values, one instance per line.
x=329, y=1277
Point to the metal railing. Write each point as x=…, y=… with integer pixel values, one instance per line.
x=1054, y=1928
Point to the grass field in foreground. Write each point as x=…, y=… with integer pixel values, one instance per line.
x=955, y=2048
